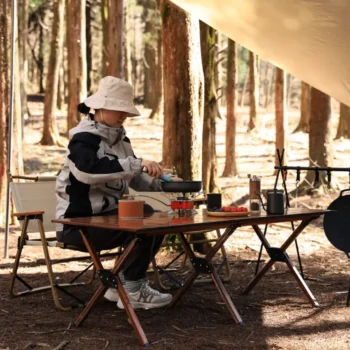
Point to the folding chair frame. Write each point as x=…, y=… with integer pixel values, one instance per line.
x=45, y=243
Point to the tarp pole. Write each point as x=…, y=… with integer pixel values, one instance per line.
x=10, y=127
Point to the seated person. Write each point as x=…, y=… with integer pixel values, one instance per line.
x=100, y=165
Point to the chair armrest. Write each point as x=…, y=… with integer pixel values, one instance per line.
x=28, y=213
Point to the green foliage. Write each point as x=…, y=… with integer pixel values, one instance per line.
x=35, y=4
x=172, y=239
x=242, y=64
x=152, y=18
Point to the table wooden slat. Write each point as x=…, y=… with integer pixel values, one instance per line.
x=161, y=222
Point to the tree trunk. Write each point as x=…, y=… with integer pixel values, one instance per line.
x=303, y=125
x=157, y=80
x=272, y=84
x=41, y=59
x=149, y=52
x=244, y=89
x=5, y=49
x=230, y=161
x=320, y=135
x=266, y=85
x=23, y=7
x=127, y=41
x=183, y=92
x=17, y=159
x=76, y=58
x=253, y=89
x=209, y=163
x=50, y=132
x=281, y=115
x=60, y=88
x=115, y=46
x=104, y=20
x=344, y=122
x=88, y=45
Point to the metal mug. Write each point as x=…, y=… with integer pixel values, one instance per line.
x=214, y=201
x=275, y=202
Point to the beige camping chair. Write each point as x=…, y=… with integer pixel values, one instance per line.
x=32, y=200
x=160, y=201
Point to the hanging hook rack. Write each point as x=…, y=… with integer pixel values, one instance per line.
x=298, y=177
x=329, y=178
x=317, y=177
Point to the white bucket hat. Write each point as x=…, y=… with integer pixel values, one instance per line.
x=113, y=94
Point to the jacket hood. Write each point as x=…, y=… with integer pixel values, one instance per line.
x=109, y=135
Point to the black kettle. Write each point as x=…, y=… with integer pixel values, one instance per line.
x=275, y=202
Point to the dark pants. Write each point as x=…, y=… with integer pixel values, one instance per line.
x=136, y=265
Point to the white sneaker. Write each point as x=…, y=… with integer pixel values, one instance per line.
x=146, y=298
x=112, y=295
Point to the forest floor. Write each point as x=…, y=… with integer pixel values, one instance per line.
x=276, y=314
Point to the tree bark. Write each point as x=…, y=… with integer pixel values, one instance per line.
x=127, y=41
x=183, y=92
x=157, y=79
x=320, y=135
x=88, y=44
x=344, y=122
x=281, y=115
x=5, y=49
x=76, y=58
x=104, y=20
x=149, y=52
x=303, y=125
x=253, y=89
x=209, y=165
x=115, y=46
x=266, y=84
x=50, y=131
x=61, y=85
x=230, y=161
x=17, y=159
x=41, y=59
x=23, y=7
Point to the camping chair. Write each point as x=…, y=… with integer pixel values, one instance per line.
x=32, y=200
x=160, y=201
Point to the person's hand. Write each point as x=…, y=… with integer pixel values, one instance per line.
x=153, y=168
x=176, y=179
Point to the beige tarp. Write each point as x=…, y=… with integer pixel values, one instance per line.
x=308, y=38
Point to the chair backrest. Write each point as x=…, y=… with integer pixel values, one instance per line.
x=32, y=196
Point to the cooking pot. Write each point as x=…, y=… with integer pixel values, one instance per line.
x=275, y=202
x=130, y=209
x=181, y=186
x=336, y=223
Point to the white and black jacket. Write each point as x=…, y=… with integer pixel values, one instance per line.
x=99, y=166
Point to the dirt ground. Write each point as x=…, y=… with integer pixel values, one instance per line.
x=276, y=314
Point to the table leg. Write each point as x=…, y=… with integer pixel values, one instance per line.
x=225, y=296
x=131, y=313
x=90, y=305
x=301, y=283
x=101, y=289
x=192, y=277
x=203, y=265
x=258, y=277
x=279, y=254
x=184, y=288
x=121, y=291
